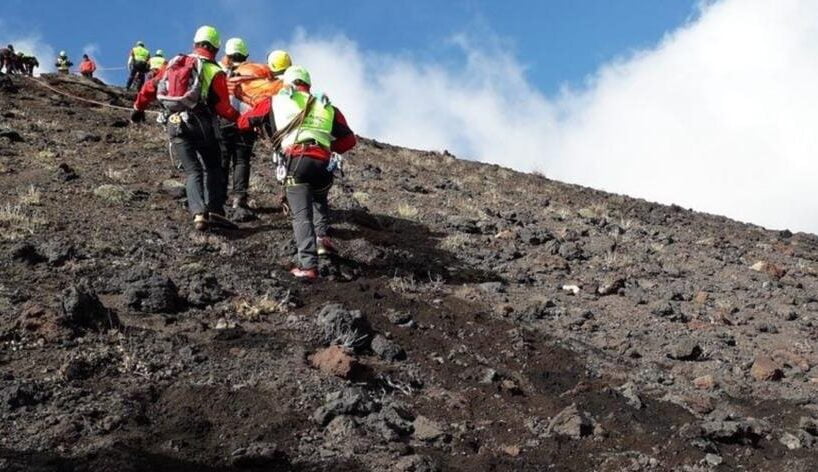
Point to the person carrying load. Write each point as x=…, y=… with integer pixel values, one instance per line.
x=307, y=132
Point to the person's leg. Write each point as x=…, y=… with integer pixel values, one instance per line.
x=185, y=152
x=211, y=156
x=227, y=145
x=300, y=200
x=131, y=76
x=241, y=166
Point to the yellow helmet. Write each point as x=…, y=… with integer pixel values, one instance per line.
x=279, y=61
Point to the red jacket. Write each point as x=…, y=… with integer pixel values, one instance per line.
x=88, y=66
x=344, y=140
x=217, y=98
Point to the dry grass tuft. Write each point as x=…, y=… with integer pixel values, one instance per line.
x=17, y=224
x=454, y=242
x=407, y=211
x=361, y=197
x=407, y=284
x=113, y=193
x=255, y=310
x=31, y=196
x=123, y=176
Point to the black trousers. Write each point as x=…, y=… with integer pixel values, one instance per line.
x=195, y=144
x=237, y=151
x=138, y=69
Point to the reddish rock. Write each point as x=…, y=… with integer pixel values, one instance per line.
x=42, y=321
x=701, y=298
x=335, y=360
x=699, y=404
x=705, y=382
x=766, y=369
x=770, y=269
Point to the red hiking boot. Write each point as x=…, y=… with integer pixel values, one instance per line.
x=308, y=275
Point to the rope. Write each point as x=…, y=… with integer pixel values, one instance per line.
x=86, y=100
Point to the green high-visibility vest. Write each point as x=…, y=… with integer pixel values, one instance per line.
x=140, y=54
x=317, y=125
x=209, y=71
x=157, y=62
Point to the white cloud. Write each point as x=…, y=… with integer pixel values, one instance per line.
x=719, y=116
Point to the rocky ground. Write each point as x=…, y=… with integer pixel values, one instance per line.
x=476, y=318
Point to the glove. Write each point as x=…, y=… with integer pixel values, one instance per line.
x=137, y=116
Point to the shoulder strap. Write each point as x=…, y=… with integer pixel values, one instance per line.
x=293, y=125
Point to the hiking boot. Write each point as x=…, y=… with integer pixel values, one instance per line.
x=325, y=246
x=240, y=201
x=220, y=221
x=308, y=275
x=200, y=222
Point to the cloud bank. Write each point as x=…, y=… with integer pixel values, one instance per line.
x=721, y=115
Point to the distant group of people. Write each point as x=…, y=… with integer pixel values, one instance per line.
x=17, y=62
x=215, y=111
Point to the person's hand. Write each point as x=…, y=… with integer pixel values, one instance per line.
x=137, y=116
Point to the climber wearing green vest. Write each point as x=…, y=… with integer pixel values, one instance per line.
x=138, y=65
x=156, y=62
x=192, y=125
x=307, y=130
x=63, y=64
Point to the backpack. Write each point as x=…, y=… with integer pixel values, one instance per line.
x=252, y=83
x=180, y=88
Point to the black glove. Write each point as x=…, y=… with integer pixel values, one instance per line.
x=137, y=116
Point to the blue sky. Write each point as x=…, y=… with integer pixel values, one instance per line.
x=557, y=41
x=709, y=104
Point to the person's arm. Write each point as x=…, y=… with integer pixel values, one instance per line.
x=219, y=98
x=146, y=95
x=344, y=137
x=256, y=117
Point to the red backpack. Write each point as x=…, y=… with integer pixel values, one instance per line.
x=180, y=89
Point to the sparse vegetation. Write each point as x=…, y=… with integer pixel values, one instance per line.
x=361, y=197
x=455, y=242
x=407, y=211
x=255, y=310
x=407, y=284
x=15, y=223
x=31, y=196
x=113, y=193
x=121, y=176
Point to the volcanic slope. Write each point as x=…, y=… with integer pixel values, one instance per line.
x=475, y=318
